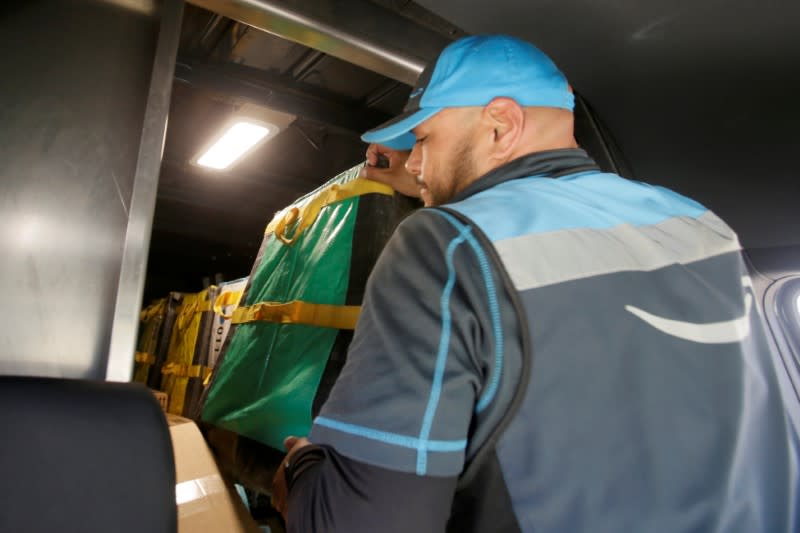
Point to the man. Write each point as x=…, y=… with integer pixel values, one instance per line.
x=552, y=348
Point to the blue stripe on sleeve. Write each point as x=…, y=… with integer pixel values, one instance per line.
x=441, y=356
x=494, y=310
x=423, y=444
x=395, y=439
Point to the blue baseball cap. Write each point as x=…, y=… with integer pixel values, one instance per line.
x=472, y=72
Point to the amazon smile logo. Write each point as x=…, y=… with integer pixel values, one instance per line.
x=727, y=331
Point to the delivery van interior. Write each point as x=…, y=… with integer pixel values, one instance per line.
x=187, y=240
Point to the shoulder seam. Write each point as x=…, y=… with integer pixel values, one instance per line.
x=494, y=310
x=441, y=354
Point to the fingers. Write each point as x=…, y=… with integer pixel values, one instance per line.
x=398, y=179
x=383, y=175
x=372, y=155
x=396, y=176
x=374, y=151
x=280, y=491
x=289, y=442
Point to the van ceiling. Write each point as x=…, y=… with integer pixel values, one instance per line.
x=209, y=223
x=700, y=95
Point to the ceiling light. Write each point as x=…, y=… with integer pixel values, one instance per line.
x=237, y=140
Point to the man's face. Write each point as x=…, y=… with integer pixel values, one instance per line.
x=442, y=158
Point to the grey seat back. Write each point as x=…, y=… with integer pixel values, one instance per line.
x=83, y=456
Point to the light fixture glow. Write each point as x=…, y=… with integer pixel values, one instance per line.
x=233, y=144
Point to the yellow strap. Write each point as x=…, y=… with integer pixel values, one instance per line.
x=224, y=300
x=306, y=214
x=323, y=315
x=152, y=310
x=208, y=379
x=188, y=311
x=185, y=371
x=144, y=357
x=185, y=315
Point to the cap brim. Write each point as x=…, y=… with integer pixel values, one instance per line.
x=396, y=133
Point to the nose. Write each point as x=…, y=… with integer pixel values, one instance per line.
x=414, y=161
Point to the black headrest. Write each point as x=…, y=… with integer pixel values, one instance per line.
x=84, y=456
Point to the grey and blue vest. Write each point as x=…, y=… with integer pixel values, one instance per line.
x=648, y=397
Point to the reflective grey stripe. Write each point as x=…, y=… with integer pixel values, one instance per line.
x=543, y=259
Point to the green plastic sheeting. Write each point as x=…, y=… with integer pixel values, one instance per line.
x=265, y=383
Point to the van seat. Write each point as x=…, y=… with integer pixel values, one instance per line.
x=86, y=456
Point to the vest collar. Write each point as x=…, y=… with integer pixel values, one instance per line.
x=547, y=164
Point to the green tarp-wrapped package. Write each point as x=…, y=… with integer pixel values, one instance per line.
x=291, y=330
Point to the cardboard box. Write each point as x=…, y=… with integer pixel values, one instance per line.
x=206, y=504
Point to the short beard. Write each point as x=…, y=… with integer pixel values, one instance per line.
x=463, y=173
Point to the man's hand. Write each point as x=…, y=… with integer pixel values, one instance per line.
x=280, y=492
x=396, y=176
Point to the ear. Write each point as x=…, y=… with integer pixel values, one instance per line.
x=505, y=120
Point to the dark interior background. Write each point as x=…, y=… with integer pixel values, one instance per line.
x=700, y=96
x=210, y=223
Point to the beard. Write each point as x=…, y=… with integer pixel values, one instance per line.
x=458, y=171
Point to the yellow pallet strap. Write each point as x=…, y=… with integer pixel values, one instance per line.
x=152, y=310
x=146, y=358
x=224, y=300
x=185, y=371
x=185, y=313
x=306, y=214
x=295, y=312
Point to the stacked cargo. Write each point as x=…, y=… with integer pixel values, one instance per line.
x=180, y=340
x=155, y=331
x=255, y=358
x=290, y=334
x=152, y=321
x=186, y=365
